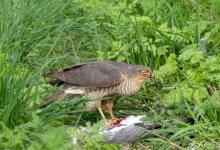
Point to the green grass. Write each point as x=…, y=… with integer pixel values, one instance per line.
x=42, y=36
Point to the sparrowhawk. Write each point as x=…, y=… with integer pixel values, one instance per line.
x=98, y=80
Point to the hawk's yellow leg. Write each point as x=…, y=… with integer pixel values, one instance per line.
x=111, y=114
x=107, y=106
x=102, y=114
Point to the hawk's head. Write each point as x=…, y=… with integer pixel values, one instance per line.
x=141, y=71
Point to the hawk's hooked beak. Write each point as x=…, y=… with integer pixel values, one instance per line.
x=150, y=74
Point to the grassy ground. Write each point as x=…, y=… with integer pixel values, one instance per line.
x=178, y=39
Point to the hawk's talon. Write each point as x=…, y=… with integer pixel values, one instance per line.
x=114, y=121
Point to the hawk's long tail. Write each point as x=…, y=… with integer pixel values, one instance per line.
x=62, y=95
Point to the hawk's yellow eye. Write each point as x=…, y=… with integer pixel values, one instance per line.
x=143, y=72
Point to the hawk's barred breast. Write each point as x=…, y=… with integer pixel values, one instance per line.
x=126, y=87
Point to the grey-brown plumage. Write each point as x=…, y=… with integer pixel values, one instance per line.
x=98, y=80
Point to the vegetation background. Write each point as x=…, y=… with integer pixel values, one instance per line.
x=178, y=39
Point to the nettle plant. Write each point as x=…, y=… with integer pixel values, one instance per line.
x=193, y=80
